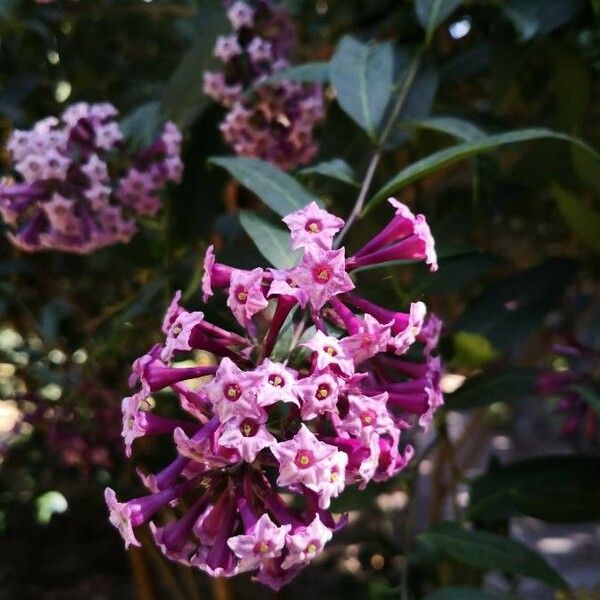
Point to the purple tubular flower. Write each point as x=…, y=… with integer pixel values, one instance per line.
x=275, y=123
x=67, y=170
x=406, y=237
x=308, y=416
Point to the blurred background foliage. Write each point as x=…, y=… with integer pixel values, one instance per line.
x=517, y=231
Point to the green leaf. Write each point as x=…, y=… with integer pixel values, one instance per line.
x=579, y=216
x=272, y=241
x=506, y=385
x=336, y=169
x=431, y=13
x=488, y=551
x=418, y=101
x=140, y=126
x=183, y=99
x=307, y=72
x=471, y=350
x=558, y=489
x=532, y=17
x=363, y=76
x=458, y=128
x=590, y=396
x=453, y=154
x=462, y=592
x=510, y=308
x=278, y=190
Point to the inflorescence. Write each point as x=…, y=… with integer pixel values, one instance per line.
x=273, y=121
x=313, y=395
x=77, y=189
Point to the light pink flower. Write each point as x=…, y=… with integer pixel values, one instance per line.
x=306, y=543
x=265, y=541
x=372, y=338
x=300, y=459
x=209, y=263
x=285, y=283
x=405, y=339
x=248, y=435
x=367, y=413
x=319, y=394
x=240, y=15
x=332, y=478
x=226, y=47
x=322, y=275
x=233, y=391
x=246, y=297
x=278, y=385
x=312, y=225
x=329, y=353
x=178, y=335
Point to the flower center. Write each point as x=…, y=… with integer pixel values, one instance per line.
x=311, y=548
x=333, y=476
x=248, y=427
x=232, y=391
x=304, y=459
x=322, y=273
x=313, y=226
x=241, y=295
x=323, y=391
x=367, y=418
x=261, y=547
x=330, y=350
x=276, y=381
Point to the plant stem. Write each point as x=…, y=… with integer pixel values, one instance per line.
x=403, y=91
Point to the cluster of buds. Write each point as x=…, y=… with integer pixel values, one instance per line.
x=304, y=415
x=270, y=121
x=571, y=384
x=77, y=188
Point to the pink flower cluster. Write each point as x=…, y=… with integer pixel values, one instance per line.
x=72, y=192
x=274, y=121
x=308, y=414
x=578, y=373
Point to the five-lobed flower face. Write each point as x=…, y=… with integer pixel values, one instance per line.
x=328, y=415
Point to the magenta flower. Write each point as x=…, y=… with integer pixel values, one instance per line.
x=77, y=189
x=406, y=237
x=312, y=225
